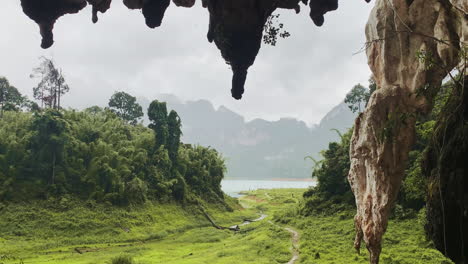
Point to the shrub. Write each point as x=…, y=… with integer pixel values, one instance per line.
x=122, y=260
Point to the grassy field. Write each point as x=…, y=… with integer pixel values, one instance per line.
x=329, y=239
x=74, y=233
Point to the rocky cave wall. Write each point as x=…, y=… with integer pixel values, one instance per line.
x=397, y=31
x=446, y=168
x=412, y=46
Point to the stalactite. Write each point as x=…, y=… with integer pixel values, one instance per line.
x=99, y=6
x=46, y=13
x=236, y=26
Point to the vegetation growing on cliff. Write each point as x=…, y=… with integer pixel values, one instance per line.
x=333, y=190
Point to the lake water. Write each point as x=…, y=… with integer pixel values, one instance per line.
x=233, y=187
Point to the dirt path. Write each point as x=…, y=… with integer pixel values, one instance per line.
x=295, y=245
x=248, y=222
x=294, y=236
x=294, y=241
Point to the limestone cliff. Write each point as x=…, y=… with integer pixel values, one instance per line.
x=412, y=45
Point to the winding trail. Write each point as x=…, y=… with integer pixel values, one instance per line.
x=294, y=241
x=295, y=237
x=295, y=245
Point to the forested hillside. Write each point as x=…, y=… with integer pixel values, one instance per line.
x=94, y=154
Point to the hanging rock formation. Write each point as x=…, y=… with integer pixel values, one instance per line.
x=153, y=10
x=184, y=3
x=46, y=12
x=99, y=5
x=236, y=26
x=398, y=32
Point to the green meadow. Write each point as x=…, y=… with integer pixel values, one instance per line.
x=74, y=233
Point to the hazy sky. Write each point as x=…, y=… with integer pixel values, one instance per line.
x=304, y=76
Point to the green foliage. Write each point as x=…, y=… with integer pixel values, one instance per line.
x=122, y=260
x=10, y=98
x=126, y=107
x=175, y=132
x=47, y=147
x=94, y=155
x=414, y=187
x=204, y=170
x=329, y=239
x=50, y=231
x=157, y=114
x=360, y=95
x=333, y=170
x=333, y=193
x=357, y=97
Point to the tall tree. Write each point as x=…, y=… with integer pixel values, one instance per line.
x=48, y=142
x=173, y=141
x=357, y=97
x=52, y=84
x=10, y=97
x=157, y=114
x=126, y=107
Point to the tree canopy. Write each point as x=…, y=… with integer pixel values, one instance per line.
x=126, y=107
x=93, y=155
x=10, y=98
x=157, y=114
x=357, y=97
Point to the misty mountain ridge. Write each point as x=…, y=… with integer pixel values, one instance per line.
x=257, y=149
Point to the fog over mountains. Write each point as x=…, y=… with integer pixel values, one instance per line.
x=258, y=149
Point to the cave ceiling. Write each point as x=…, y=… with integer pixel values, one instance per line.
x=235, y=26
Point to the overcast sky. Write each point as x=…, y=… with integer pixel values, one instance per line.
x=304, y=76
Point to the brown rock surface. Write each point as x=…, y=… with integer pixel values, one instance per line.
x=397, y=31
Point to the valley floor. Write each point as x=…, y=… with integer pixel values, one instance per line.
x=170, y=234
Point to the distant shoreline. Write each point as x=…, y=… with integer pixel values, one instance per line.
x=274, y=179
